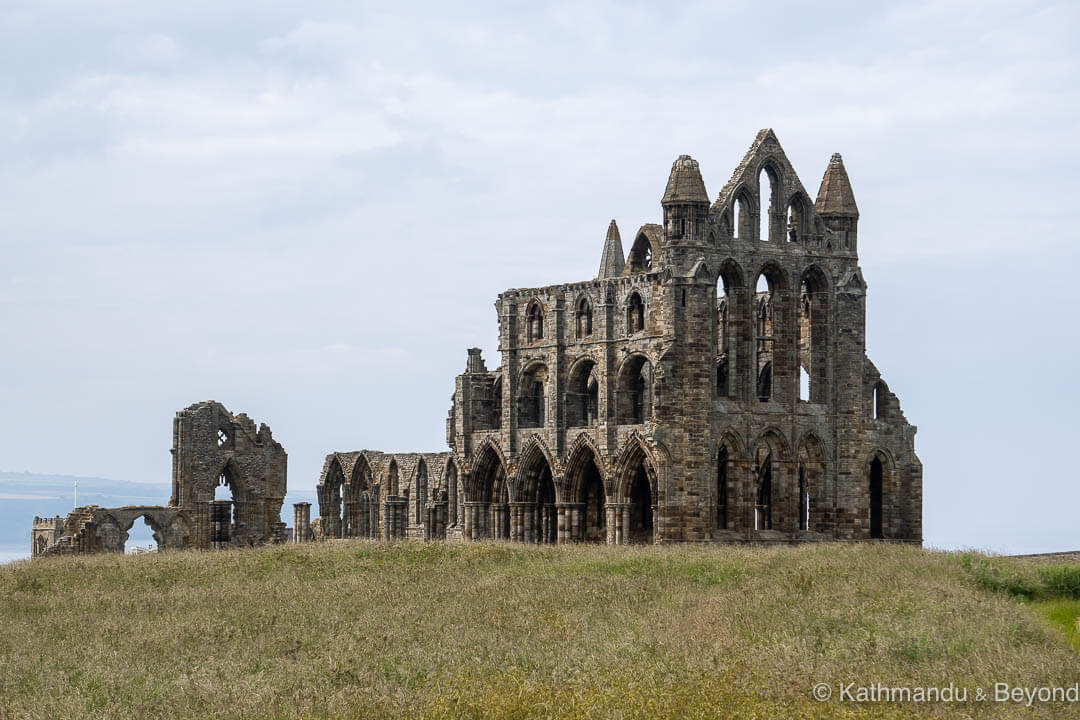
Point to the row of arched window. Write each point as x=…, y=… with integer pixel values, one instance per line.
x=810, y=470
x=583, y=318
x=746, y=220
x=768, y=333
x=633, y=399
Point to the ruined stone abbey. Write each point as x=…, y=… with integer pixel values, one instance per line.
x=713, y=385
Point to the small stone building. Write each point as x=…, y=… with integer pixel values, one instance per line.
x=711, y=385
x=228, y=486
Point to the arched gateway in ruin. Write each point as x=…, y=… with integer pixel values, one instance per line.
x=228, y=486
x=714, y=385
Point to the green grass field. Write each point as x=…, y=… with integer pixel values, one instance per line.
x=364, y=630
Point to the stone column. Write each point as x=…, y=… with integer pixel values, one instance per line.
x=466, y=511
x=301, y=522
x=527, y=513
x=562, y=524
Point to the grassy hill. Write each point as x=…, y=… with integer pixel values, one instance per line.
x=356, y=629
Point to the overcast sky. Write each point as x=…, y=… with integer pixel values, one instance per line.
x=306, y=211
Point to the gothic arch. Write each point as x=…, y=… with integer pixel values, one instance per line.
x=767, y=207
x=634, y=389
x=642, y=254
x=583, y=316
x=533, y=456
x=774, y=437
x=743, y=209
x=797, y=216
x=775, y=274
x=581, y=452
x=488, y=461
x=361, y=477
x=882, y=483
x=582, y=395
x=535, y=315
x=533, y=385
x=811, y=476
x=392, y=478
x=455, y=491
x=731, y=275
x=637, y=486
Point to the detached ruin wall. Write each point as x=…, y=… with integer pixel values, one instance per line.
x=212, y=449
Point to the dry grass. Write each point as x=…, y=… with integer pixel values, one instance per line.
x=354, y=629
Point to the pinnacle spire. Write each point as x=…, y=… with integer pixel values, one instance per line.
x=835, y=196
x=685, y=185
x=613, y=260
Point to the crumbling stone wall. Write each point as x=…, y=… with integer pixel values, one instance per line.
x=711, y=385
x=211, y=448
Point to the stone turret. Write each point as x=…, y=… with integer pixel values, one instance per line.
x=836, y=203
x=612, y=261
x=686, y=209
x=685, y=185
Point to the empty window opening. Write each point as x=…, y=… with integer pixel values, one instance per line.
x=641, y=254
x=222, y=437
x=223, y=511
x=725, y=348
x=722, y=489
x=635, y=391
x=813, y=341
x=764, y=329
x=535, y=322
x=635, y=314
x=531, y=403
x=141, y=537
x=582, y=395
x=876, y=472
x=583, y=319
x=795, y=220
x=880, y=400
x=763, y=506
x=765, y=197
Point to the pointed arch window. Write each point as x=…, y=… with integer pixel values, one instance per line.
x=767, y=186
x=583, y=318
x=534, y=322
x=531, y=398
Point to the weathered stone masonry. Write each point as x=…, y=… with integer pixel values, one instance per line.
x=712, y=385
x=212, y=448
